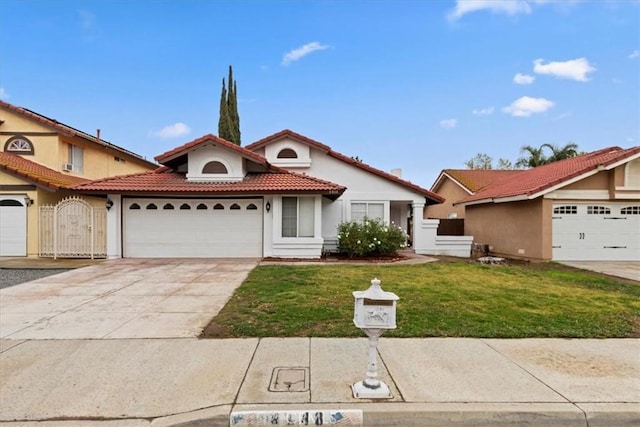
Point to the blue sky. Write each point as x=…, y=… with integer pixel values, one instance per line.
x=420, y=85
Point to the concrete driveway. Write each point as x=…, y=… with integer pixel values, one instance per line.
x=124, y=298
x=625, y=269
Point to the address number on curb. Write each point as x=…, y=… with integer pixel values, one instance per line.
x=347, y=417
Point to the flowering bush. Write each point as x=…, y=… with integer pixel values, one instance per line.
x=370, y=238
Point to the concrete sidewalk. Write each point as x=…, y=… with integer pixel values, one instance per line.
x=435, y=381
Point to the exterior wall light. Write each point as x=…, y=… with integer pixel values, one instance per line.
x=268, y=206
x=28, y=201
x=109, y=204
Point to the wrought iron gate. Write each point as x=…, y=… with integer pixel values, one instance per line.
x=73, y=229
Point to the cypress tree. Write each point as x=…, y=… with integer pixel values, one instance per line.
x=233, y=114
x=229, y=121
x=224, y=122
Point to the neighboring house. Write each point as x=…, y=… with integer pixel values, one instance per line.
x=457, y=184
x=41, y=159
x=583, y=208
x=282, y=196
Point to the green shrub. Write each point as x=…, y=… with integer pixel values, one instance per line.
x=370, y=238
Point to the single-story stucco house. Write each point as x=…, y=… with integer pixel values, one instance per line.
x=282, y=196
x=456, y=184
x=582, y=208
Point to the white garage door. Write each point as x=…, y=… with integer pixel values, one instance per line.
x=13, y=226
x=596, y=232
x=181, y=228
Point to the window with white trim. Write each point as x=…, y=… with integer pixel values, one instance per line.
x=76, y=158
x=371, y=210
x=19, y=145
x=298, y=216
x=215, y=167
x=287, y=153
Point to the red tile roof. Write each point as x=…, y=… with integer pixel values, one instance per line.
x=66, y=129
x=473, y=179
x=165, y=180
x=183, y=149
x=291, y=134
x=532, y=183
x=37, y=173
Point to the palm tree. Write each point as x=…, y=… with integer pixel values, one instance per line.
x=560, y=153
x=534, y=157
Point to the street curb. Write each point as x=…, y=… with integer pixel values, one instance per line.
x=401, y=414
x=217, y=416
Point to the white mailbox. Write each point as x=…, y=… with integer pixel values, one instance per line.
x=374, y=313
x=375, y=308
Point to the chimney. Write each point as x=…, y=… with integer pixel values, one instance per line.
x=397, y=172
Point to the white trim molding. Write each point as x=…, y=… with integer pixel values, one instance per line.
x=579, y=194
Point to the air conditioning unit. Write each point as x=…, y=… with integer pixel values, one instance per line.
x=67, y=166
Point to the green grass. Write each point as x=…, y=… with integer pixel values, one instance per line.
x=459, y=299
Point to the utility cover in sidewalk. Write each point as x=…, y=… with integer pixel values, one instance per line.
x=290, y=379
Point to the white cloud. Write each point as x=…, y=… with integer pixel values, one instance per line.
x=4, y=94
x=574, y=69
x=526, y=106
x=510, y=7
x=448, y=123
x=523, y=79
x=302, y=51
x=634, y=54
x=483, y=111
x=172, y=131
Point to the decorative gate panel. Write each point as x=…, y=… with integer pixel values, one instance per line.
x=73, y=229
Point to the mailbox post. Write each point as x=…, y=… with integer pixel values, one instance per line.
x=374, y=312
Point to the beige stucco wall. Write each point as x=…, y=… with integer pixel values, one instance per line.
x=100, y=162
x=40, y=197
x=452, y=193
x=599, y=181
x=52, y=149
x=516, y=230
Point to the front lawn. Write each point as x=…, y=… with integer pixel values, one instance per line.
x=459, y=299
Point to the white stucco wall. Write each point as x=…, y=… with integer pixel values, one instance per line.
x=199, y=157
x=362, y=186
x=114, y=227
x=302, y=150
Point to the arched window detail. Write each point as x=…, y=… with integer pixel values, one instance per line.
x=215, y=167
x=152, y=207
x=168, y=207
x=287, y=153
x=202, y=207
x=10, y=202
x=19, y=145
x=185, y=207
x=252, y=207
x=630, y=210
x=218, y=207
x=235, y=207
x=135, y=206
